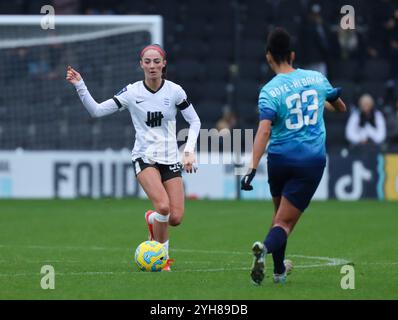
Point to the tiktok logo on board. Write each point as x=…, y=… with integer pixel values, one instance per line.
x=355, y=181
x=355, y=176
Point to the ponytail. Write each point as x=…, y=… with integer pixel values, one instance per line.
x=164, y=72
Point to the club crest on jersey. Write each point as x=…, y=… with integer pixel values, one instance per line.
x=166, y=102
x=121, y=91
x=154, y=119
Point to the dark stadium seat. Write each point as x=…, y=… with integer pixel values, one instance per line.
x=247, y=89
x=247, y=111
x=251, y=70
x=187, y=48
x=77, y=137
x=170, y=9
x=350, y=90
x=344, y=70
x=188, y=69
x=216, y=69
x=252, y=49
x=376, y=88
x=13, y=7
x=335, y=133
x=113, y=136
x=257, y=30
x=216, y=90
x=194, y=28
x=257, y=10
x=223, y=28
x=199, y=37
x=12, y=135
x=221, y=48
x=376, y=70
x=210, y=109
x=193, y=90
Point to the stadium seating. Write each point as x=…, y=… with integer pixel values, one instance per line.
x=203, y=52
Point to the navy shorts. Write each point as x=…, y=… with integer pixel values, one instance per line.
x=296, y=184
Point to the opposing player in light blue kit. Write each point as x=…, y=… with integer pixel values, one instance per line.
x=291, y=110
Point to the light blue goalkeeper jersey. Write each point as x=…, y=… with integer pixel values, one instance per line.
x=294, y=102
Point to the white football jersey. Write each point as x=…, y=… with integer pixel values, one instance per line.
x=154, y=117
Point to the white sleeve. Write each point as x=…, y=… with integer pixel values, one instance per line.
x=95, y=109
x=190, y=115
x=378, y=133
x=122, y=99
x=192, y=118
x=353, y=132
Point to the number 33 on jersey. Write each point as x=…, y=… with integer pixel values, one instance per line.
x=294, y=102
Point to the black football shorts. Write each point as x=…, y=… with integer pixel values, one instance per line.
x=167, y=171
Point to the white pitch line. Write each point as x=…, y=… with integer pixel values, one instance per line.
x=64, y=247
x=328, y=261
x=115, y=249
x=99, y=273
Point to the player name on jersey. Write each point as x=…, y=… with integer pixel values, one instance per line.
x=298, y=83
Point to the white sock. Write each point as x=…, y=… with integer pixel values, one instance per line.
x=166, y=245
x=151, y=217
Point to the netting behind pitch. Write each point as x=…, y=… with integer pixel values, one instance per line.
x=40, y=110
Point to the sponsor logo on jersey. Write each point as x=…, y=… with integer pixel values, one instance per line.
x=154, y=119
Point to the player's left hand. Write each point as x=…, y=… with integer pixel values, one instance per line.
x=188, y=161
x=247, y=179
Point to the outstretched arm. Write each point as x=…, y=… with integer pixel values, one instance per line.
x=95, y=109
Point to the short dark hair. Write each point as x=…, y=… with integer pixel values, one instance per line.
x=279, y=45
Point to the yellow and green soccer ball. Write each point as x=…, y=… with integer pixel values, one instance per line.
x=151, y=256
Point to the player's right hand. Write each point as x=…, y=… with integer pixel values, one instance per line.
x=247, y=179
x=72, y=75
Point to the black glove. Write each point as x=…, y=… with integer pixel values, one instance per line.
x=247, y=179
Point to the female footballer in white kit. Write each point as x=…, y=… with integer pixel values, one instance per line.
x=153, y=104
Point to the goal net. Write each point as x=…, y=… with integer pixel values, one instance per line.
x=39, y=109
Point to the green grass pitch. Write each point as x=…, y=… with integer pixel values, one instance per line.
x=90, y=244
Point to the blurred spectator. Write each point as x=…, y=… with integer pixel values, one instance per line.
x=380, y=26
x=66, y=6
x=316, y=41
x=351, y=44
x=393, y=44
x=227, y=121
x=367, y=125
x=39, y=65
x=17, y=60
x=392, y=126
x=104, y=7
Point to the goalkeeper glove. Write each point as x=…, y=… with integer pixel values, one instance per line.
x=247, y=179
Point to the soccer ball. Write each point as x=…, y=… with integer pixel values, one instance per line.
x=150, y=256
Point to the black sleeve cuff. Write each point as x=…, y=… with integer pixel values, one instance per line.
x=119, y=105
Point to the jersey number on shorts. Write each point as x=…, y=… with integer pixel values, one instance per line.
x=298, y=112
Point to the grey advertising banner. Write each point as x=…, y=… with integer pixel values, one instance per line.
x=96, y=174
